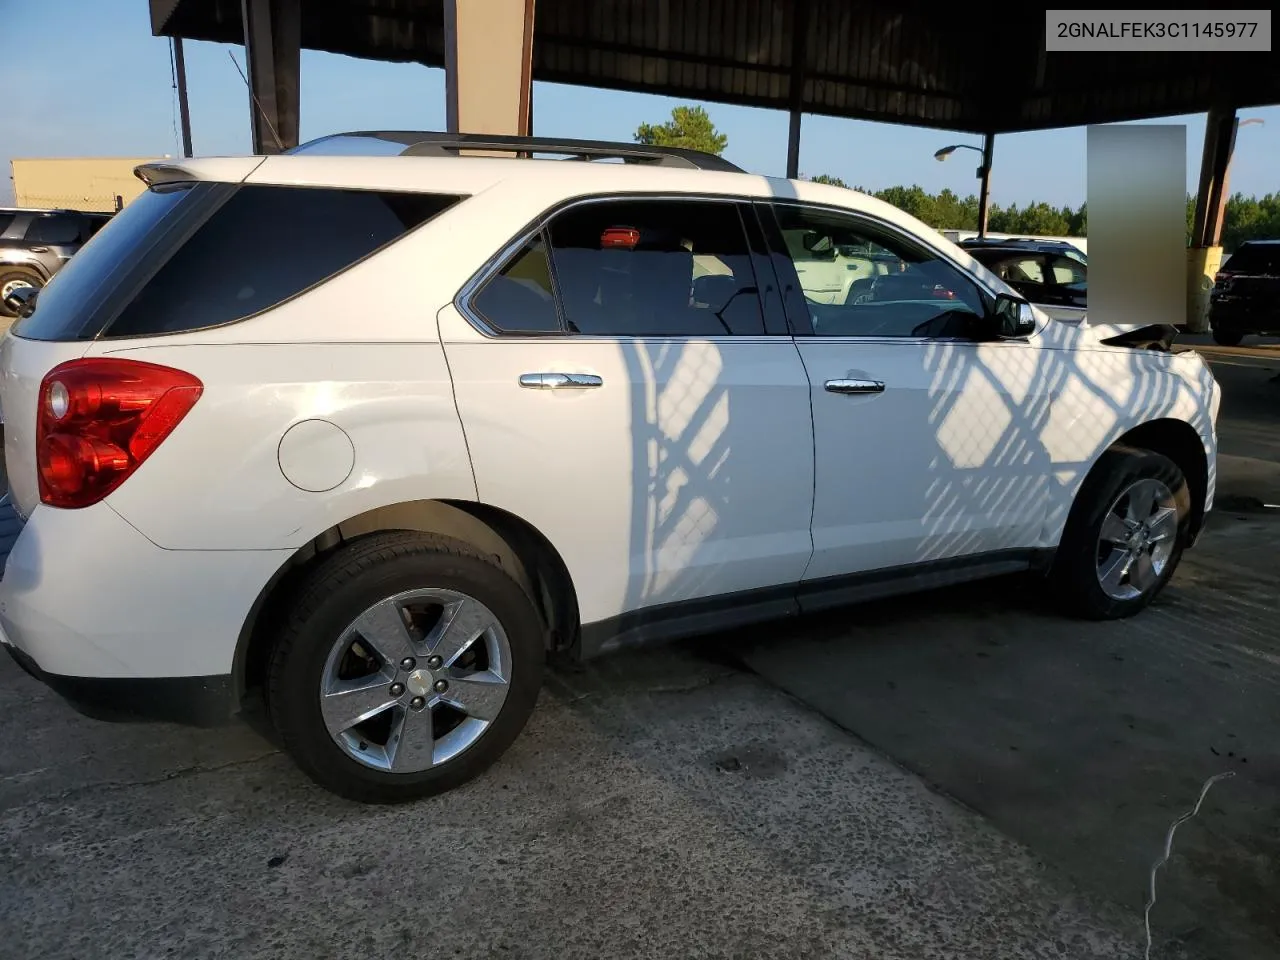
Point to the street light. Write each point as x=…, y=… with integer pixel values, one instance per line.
x=983, y=174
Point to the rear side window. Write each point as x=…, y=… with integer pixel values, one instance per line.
x=265, y=245
x=6, y=219
x=655, y=268
x=54, y=229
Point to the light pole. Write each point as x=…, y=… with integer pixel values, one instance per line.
x=984, y=174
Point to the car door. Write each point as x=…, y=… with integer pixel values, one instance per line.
x=629, y=387
x=926, y=433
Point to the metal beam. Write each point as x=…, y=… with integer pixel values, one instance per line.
x=1215, y=167
x=984, y=174
x=799, y=53
x=184, y=111
x=273, y=49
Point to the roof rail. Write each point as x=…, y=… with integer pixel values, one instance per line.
x=430, y=143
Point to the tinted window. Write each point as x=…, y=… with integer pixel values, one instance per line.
x=857, y=280
x=264, y=245
x=65, y=308
x=519, y=297
x=54, y=229
x=1256, y=258
x=5, y=220
x=655, y=268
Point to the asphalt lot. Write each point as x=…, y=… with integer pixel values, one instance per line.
x=965, y=777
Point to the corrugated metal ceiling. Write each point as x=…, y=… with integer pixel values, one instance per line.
x=974, y=68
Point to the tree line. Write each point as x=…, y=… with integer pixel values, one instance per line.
x=1247, y=218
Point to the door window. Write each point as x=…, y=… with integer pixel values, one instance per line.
x=857, y=279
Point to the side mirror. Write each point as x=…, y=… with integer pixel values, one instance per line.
x=1014, y=317
x=21, y=301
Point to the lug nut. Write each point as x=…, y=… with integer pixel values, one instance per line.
x=417, y=703
x=408, y=663
x=435, y=663
x=440, y=686
x=397, y=689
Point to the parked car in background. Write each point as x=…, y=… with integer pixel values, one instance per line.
x=1246, y=293
x=34, y=245
x=1050, y=274
x=256, y=450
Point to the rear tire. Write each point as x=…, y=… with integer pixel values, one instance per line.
x=12, y=277
x=368, y=704
x=1099, y=572
x=1227, y=338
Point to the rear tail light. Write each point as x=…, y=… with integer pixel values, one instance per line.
x=99, y=419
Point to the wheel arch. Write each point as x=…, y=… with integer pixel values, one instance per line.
x=520, y=549
x=1179, y=441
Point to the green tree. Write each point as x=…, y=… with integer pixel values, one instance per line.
x=829, y=180
x=689, y=127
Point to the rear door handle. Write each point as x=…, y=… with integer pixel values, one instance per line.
x=855, y=386
x=39, y=249
x=560, y=381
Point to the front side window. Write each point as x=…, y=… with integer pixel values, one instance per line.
x=1068, y=272
x=856, y=279
x=264, y=245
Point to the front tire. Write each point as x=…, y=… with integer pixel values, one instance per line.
x=1227, y=338
x=408, y=665
x=1124, y=536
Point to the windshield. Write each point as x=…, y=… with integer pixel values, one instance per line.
x=64, y=309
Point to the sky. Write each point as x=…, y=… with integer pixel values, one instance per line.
x=89, y=79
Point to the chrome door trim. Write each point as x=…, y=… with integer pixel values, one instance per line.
x=853, y=385
x=560, y=381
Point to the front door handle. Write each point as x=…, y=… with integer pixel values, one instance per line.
x=560, y=381
x=855, y=386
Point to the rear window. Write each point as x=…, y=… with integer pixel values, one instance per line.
x=265, y=245
x=1255, y=259
x=6, y=219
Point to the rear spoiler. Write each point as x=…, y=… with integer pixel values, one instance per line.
x=223, y=169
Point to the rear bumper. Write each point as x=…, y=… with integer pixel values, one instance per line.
x=118, y=626
x=1243, y=317
x=195, y=701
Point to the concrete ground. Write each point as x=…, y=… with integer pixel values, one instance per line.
x=967, y=777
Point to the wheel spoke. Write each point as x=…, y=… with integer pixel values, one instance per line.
x=462, y=623
x=1114, y=529
x=479, y=695
x=1143, y=572
x=411, y=746
x=383, y=628
x=1112, y=571
x=354, y=701
x=1142, y=501
x=1163, y=524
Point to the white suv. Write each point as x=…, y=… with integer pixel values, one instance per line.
x=373, y=427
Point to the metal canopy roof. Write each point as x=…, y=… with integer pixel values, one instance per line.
x=955, y=66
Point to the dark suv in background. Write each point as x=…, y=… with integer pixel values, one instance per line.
x=1246, y=294
x=34, y=244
